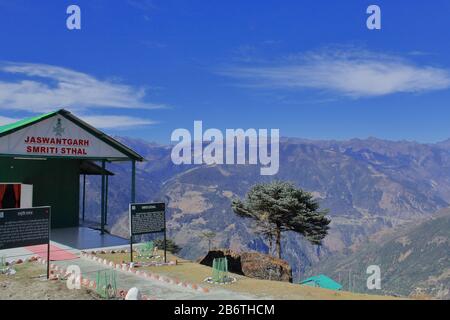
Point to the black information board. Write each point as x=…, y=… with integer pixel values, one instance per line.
x=24, y=227
x=147, y=218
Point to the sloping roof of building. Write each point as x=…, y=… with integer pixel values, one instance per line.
x=10, y=128
x=322, y=281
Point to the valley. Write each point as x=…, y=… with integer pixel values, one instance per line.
x=371, y=186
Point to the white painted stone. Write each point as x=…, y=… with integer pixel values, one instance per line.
x=133, y=294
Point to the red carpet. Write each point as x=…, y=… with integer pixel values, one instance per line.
x=56, y=253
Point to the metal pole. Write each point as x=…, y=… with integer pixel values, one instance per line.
x=165, y=236
x=84, y=195
x=48, y=244
x=102, y=204
x=133, y=181
x=350, y=280
x=131, y=248
x=48, y=258
x=133, y=200
x=165, y=246
x=106, y=200
x=131, y=234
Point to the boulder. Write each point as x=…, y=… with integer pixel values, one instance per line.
x=133, y=294
x=252, y=264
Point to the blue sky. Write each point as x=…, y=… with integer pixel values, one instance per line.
x=310, y=68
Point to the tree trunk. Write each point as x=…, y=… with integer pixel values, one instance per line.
x=270, y=245
x=278, y=241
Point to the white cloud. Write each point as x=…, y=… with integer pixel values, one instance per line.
x=116, y=122
x=354, y=73
x=7, y=120
x=42, y=88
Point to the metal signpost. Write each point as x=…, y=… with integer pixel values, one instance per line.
x=25, y=227
x=147, y=218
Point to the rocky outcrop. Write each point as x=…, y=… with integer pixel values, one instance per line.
x=252, y=264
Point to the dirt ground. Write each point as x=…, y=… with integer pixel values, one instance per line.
x=30, y=283
x=186, y=270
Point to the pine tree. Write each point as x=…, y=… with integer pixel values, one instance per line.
x=280, y=206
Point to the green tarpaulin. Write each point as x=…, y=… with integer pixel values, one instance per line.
x=322, y=281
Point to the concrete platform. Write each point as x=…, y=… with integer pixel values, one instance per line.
x=82, y=238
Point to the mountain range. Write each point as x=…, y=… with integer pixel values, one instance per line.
x=371, y=186
x=414, y=260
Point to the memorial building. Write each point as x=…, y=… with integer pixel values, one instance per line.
x=44, y=161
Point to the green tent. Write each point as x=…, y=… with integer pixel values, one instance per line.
x=322, y=281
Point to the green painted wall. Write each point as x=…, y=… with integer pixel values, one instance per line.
x=56, y=183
